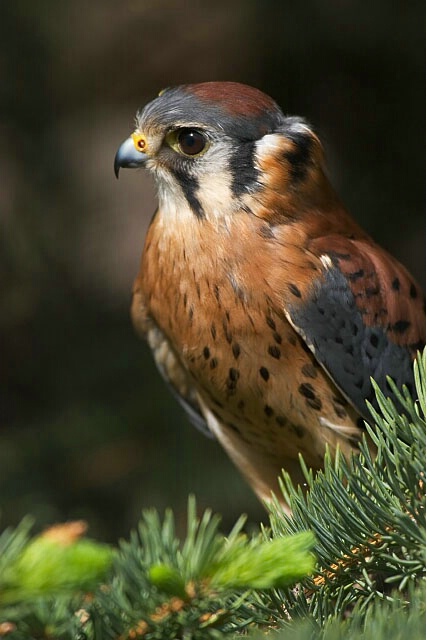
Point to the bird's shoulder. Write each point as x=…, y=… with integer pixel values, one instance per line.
x=357, y=308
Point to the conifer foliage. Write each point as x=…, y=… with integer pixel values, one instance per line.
x=349, y=563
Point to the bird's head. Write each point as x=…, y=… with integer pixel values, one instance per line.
x=217, y=147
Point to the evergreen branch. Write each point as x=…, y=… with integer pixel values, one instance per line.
x=368, y=514
x=201, y=588
x=368, y=518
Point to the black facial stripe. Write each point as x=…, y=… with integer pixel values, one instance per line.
x=242, y=167
x=189, y=185
x=300, y=157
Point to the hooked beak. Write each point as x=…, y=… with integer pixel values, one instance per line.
x=128, y=157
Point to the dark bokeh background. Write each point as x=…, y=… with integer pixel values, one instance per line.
x=87, y=427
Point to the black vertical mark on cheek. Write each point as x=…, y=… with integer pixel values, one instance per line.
x=300, y=156
x=242, y=168
x=189, y=186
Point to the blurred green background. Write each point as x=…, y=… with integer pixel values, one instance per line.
x=88, y=430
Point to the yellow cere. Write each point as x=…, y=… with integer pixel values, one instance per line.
x=139, y=142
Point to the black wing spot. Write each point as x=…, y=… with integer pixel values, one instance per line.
x=264, y=373
x=206, y=353
x=307, y=390
x=395, y=285
x=358, y=383
x=294, y=290
x=374, y=340
x=309, y=370
x=340, y=411
x=213, y=363
x=300, y=431
x=372, y=291
x=356, y=275
x=236, y=350
x=233, y=374
x=400, y=326
x=233, y=427
x=314, y=403
x=227, y=332
x=417, y=346
x=277, y=337
x=268, y=410
x=270, y=323
x=274, y=351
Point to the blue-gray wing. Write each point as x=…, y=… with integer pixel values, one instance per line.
x=362, y=316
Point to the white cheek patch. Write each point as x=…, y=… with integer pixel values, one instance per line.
x=214, y=195
x=173, y=204
x=214, y=182
x=270, y=144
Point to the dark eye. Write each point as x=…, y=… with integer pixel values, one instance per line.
x=191, y=142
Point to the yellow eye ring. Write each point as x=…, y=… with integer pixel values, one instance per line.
x=139, y=141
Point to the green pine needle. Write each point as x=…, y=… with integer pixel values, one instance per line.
x=266, y=564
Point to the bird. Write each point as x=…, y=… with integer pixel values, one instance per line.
x=268, y=309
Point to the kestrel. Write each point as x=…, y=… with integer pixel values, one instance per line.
x=266, y=306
